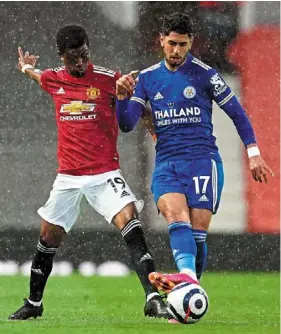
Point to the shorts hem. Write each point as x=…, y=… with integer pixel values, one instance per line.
x=200, y=207
x=156, y=198
x=121, y=207
x=39, y=211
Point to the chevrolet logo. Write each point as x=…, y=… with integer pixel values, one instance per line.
x=77, y=107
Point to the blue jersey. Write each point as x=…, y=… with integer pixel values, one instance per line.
x=187, y=158
x=181, y=103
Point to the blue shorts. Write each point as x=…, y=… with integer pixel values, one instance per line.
x=201, y=181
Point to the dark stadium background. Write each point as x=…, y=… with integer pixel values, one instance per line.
x=120, y=41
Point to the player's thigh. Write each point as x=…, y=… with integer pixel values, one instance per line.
x=112, y=196
x=173, y=206
x=205, y=185
x=169, y=192
x=62, y=207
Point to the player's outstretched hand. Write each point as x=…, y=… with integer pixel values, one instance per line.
x=259, y=169
x=126, y=84
x=26, y=58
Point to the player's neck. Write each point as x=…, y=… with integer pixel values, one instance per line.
x=173, y=68
x=76, y=75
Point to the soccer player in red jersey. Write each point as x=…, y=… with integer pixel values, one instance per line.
x=83, y=94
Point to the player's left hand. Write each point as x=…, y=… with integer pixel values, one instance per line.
x=259, y=169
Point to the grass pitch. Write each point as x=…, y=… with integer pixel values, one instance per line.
x=239, y=303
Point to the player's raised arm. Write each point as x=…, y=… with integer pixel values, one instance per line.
x=227, y=101
x=128, y=112
x=26, y=64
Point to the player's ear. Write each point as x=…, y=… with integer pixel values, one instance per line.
x=60, y=55
x=162, y=40
x=191, y=39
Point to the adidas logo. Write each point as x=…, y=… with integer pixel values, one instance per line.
x=124, y=193
x=61, y=91
x=175, y=251
x=158, y=96
x=146, y=256
x=203, y=198
x=37, y=271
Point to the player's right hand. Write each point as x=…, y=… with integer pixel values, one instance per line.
x=126, y=84
x=26, y=58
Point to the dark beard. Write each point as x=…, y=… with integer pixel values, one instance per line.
x=176, y=65
x=77, y=74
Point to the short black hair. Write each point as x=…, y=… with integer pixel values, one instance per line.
x=177, y=22
x=70, y=37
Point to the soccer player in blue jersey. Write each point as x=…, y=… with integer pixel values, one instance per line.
x=188, y=177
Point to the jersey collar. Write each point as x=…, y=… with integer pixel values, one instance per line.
x=87, y=74
x=182, y=67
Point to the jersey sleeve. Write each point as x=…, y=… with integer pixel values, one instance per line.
x=219, y=91
x=117, y=75
x=129, y=111
x=227, y=101
x=45, y=80
x=139, y=97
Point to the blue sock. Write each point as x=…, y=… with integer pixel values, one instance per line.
x=183, y=245
x=202, y=251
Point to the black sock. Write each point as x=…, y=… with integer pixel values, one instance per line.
x=41, y=268
x=141, y=257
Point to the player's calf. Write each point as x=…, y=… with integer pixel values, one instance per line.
x=202, y=251
x=141, y=258
x=41, y=268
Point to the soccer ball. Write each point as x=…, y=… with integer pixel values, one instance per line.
x=187, y=303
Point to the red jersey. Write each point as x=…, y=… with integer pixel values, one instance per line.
x=86, y=119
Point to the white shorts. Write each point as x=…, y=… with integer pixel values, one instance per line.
x=107, y=193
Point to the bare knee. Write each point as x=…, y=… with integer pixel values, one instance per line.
x=123, y=217
x=173, y=207
x=51, y=234
x=204, y=226
x=200, y=219
x=172, y=215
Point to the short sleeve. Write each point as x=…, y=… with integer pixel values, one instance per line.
x=45, y=80
x=116, y=76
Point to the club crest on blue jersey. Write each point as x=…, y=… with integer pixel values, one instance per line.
x=189, y=92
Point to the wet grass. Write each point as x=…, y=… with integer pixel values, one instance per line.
x=239, y=303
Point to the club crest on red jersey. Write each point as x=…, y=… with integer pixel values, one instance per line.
x=93, y=93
